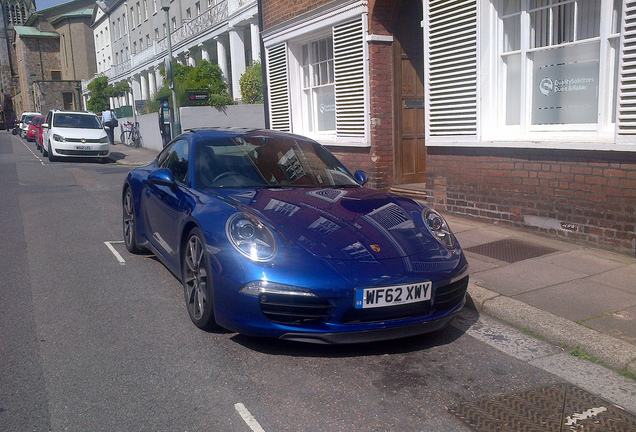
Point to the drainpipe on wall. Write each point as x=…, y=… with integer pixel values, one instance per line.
x=263, y=68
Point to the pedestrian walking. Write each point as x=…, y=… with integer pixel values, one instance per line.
x=109, y=119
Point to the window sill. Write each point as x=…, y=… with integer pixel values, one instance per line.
x=332, y=141
x=600, y=145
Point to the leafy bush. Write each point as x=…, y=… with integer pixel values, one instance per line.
x=252, y=84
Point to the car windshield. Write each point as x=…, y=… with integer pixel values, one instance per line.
x=76, y=121
x=27, y=119
x=264, y=161
x=36, y=121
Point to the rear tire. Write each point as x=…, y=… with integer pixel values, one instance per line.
x=130, y=223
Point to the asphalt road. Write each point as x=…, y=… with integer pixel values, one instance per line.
x=89, y=343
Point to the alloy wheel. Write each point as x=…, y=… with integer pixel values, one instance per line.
x=195, y=279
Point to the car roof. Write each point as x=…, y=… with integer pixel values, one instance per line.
x=72, y=112
x=232, y=132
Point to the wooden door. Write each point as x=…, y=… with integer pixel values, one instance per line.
x=410, y=149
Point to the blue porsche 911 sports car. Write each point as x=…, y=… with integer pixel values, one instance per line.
x=272, y=236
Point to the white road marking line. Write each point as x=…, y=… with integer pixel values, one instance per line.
x=114, y=251
x=248, y=417
x=29, y=149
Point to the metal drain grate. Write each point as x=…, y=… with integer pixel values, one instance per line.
x=561, y=407
x=511, y=250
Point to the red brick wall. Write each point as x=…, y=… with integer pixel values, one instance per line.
x=595, y=191
x=278, y=11
x=355, y=159
x=381, y=112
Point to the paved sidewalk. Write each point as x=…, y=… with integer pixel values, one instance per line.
x=573, y=296
x=569, y=295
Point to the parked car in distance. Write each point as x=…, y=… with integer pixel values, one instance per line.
x=272, y=236
x=74, y=134
x=34, y=127
x=25, y=120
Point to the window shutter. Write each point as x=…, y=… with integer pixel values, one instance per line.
x=349, y=74
x=451, y=68
x=278, y=86
x=626, y=115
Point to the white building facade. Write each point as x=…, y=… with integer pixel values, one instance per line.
x=224, y=32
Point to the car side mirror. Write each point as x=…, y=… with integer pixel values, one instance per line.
x=361, y=177
x=163, y=177
x=45, y=125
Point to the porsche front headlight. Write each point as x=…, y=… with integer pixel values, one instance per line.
x=439, y=228
x=251, y=237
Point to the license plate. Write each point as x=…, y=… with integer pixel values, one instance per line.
x=393, y=295
x=83, y=148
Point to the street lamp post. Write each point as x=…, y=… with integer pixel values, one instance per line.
x=175, y=119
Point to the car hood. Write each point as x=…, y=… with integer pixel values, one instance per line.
x=343, y=224
x=79, y=133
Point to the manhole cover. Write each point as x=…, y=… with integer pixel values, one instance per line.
x=558, y=408
x=511, y=250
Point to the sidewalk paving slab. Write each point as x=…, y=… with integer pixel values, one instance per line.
x=575, y=297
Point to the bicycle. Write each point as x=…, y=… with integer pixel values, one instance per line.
x=131, y=136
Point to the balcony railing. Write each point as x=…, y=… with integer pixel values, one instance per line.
x=211, y=17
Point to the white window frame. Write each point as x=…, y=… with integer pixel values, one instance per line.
x=306, y=29
x=603, y=130
x=491, y=128
x=306, y=123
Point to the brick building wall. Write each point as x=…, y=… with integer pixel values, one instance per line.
x=581, y=196
x=278, y=11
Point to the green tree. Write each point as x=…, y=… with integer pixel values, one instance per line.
x=99, y=94
x=204, y=76
x=121, y=88
x=252, y=84
x=101, y=91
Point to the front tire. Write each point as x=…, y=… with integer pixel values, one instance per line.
x=198, y=286
x=51, y=157
x=130, y=224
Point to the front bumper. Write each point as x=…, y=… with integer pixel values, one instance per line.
x=64, y=149
x=375, y=335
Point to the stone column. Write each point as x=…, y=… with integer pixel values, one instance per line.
x=205, y=52
x=237, y=57
x=143, y=82
x=158, y=77
x=256, y=42
x=152, y=83
x=221, y=49
x=190, y=60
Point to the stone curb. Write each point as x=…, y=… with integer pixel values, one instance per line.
x=611, y=352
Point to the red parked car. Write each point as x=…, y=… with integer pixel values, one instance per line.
x=34, y=127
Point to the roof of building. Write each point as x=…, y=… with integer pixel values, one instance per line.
x=80, y=13
x=24, y=31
